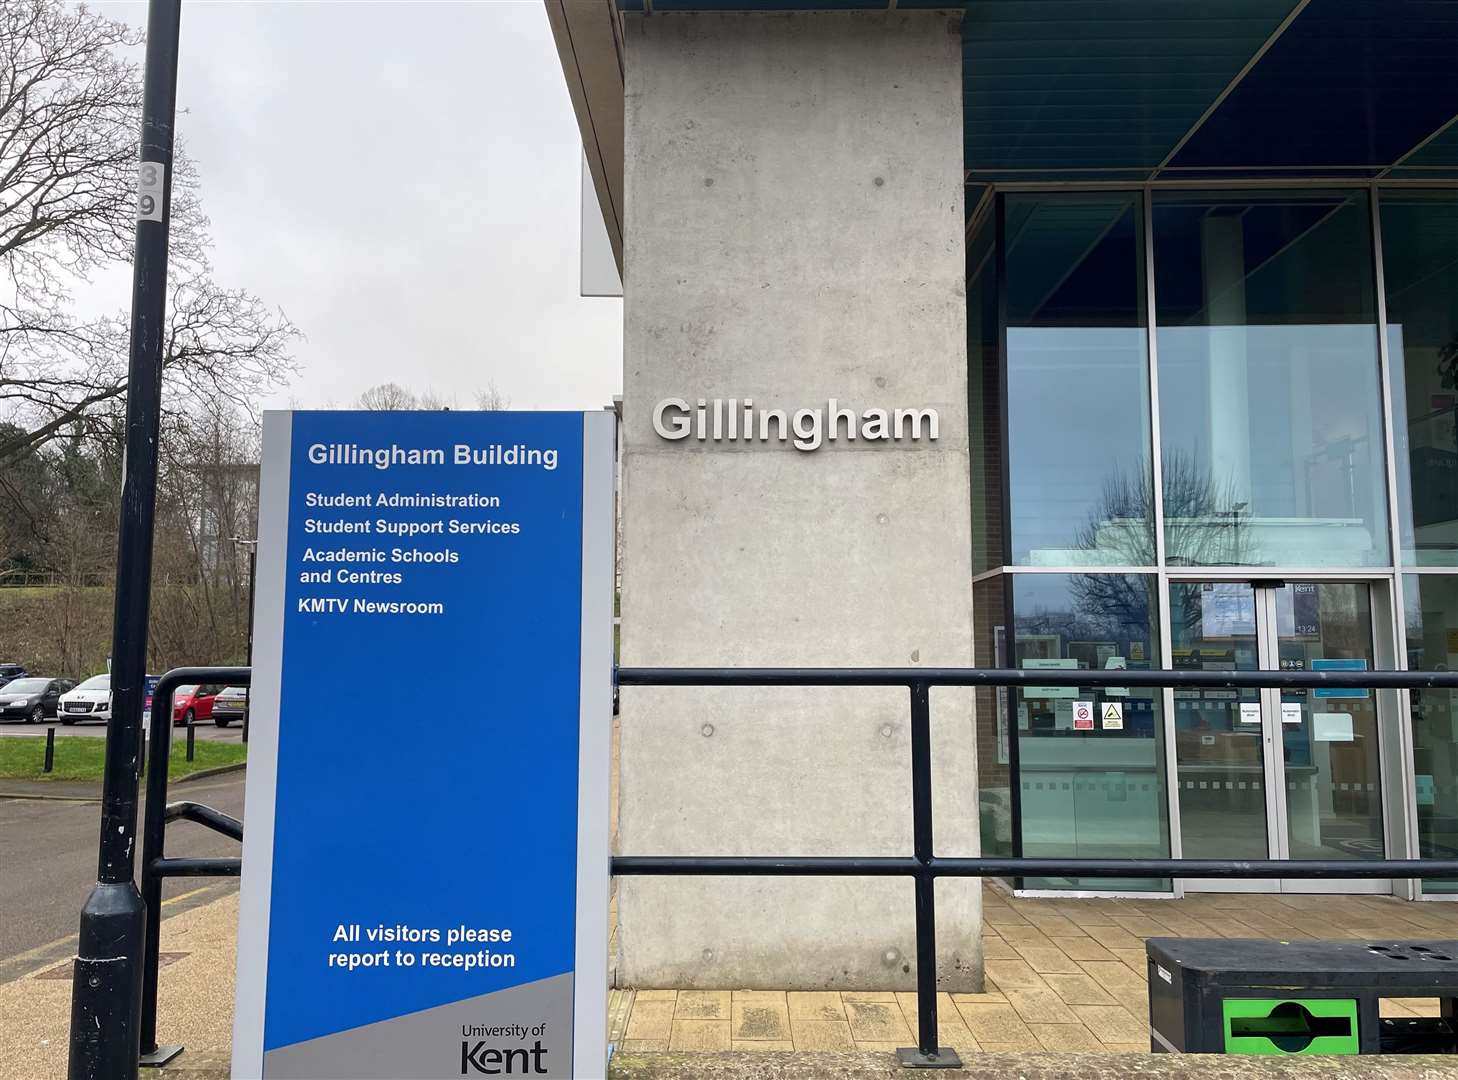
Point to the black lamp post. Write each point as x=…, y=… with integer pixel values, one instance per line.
x=107, y=988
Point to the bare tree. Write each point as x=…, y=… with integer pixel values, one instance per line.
x=209, y=493
x=68, y=121
x=70, y=106
x=1204, y=523
x=388, y=397
x=392, y=397
x=491, y=399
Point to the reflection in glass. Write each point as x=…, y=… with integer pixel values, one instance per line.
x=1419, y=238
x=1218, y=747
x=984, y=400
x=1078, y=422
x=1270, y=415
x=1088, y=790
x=1432, y=645
x=1333, y=771
x=994, y=751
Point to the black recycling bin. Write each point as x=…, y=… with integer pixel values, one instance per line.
x=1237, y=996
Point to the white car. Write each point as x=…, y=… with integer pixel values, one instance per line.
x=89, y=701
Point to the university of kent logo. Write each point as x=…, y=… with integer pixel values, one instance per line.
x=480, y=1057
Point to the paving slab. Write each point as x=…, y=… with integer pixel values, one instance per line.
x=195, y=999
x=1033, y=1066
x=1086, y=1023
x=849, y=1065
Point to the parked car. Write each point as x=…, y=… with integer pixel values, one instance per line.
x=9, y=672
x=31, y=699
x=89, y=701
x=193, y=703
x=230, y=705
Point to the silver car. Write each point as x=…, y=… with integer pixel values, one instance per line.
x=89, y=701
x=231, y=704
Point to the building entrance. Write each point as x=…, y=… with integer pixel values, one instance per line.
x=1281, y=774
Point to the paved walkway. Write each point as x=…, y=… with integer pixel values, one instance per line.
x=1062, y=975
x=194, y=995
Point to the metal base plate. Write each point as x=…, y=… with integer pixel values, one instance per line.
x=159, y=1057
x=909, y=1057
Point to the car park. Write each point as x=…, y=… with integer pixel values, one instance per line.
x=31, y=699
x=231, y=704
x=10, y=672
x=89, y=701
x=193, y=703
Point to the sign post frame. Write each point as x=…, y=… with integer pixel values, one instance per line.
x=593, y=864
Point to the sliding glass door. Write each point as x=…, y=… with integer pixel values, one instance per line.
x=1271, y=773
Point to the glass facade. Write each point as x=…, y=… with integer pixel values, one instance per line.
x=996, y=807
x=1269, y=392
x=1077, y=409
x=1221, y=769
x=1094, y=787
x=1331, y=761
x=1432, y=645
x=984, y=400
x=1169, y=385
x=1419, y=239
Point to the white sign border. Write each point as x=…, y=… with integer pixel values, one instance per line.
x=595, y=690
x=260, y=788
x=594, y=746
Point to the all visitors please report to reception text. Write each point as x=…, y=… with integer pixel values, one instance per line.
x=381, y=946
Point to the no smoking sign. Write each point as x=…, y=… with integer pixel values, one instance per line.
x=1111, y=715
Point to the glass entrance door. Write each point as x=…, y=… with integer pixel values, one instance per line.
x=1276, y=774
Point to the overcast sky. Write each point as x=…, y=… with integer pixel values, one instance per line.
x=402, y=179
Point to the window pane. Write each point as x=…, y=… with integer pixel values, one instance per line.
x=1096, y=791
x=1077, y=381
x=994, y=792
x=1333, y=768
x=1219, y=753
x=1432, y=645
x=1270, y=415
x=1420, y=271
x=984, y=400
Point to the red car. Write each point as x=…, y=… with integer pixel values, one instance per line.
x=193, y=703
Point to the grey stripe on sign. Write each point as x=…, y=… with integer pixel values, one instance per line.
x=433, y=1044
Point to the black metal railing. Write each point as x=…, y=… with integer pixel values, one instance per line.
x=924, y=866
x=156, y=866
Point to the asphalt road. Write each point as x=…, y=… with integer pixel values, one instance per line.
x=48, y=855
x=204, y=730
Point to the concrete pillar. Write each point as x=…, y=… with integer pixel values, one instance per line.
x=794, y=233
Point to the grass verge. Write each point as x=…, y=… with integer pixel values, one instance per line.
x=81, y=757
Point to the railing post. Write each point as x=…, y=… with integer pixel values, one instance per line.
x=926, y=1054
x=154, y=836
x=190, y=745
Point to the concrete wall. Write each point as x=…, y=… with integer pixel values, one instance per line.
x=794, y=232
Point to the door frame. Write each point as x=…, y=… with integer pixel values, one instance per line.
x=1393, y=737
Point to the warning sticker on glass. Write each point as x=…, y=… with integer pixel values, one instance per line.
x=1113, y=716
x=1083, y=716
x=1250, y=712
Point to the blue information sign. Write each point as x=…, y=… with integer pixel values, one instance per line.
x=1339, y=664
x=425, y=881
